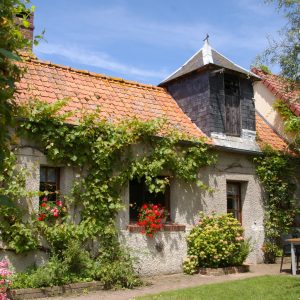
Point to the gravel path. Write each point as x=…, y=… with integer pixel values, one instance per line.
x=157, y=284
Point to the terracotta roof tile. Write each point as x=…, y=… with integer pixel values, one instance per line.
x=117, y=98
x=280, y=88
x=267, y=136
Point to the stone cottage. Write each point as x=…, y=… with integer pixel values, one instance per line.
x=209, y=96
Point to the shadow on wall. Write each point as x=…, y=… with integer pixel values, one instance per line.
x=189, y=200
x=156, y=245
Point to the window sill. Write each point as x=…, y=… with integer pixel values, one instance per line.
x=134, y=228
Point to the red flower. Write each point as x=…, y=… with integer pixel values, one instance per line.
x=150, y=217
x=43, y=204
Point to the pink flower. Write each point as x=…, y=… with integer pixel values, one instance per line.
x=4, y=263
x=5, y=272
x=59, y=203
x=55, y=214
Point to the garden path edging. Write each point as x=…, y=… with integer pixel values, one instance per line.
x=33, y=293
x=224, y=271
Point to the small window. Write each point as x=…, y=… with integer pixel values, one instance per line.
x=49, y=181
x=139, y=195
x=234, y=200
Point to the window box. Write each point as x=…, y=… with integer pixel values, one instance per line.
x=169, y=227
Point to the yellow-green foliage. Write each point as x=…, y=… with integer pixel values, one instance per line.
x=216, y=241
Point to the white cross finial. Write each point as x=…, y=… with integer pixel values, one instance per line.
x=207, y=54
x=206, y=38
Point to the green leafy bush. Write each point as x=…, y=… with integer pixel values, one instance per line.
x=74, y=264
x=217, y=241
x=115, y=269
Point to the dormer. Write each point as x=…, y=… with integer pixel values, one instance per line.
x=217, y=95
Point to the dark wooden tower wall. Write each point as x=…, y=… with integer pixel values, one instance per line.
x=192, y=94
x=216, y=101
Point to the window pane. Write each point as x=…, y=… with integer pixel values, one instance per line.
x=43, y=174
x=234, y=200
x=232, y=189
x=230, y=204
x=49, y=181
x=52, y=175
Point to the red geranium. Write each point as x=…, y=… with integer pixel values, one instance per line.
x=50, y=210
x=151, y=218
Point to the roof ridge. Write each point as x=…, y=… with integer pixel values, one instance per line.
x=94, y=74
x=246, y=70
x=169, y=76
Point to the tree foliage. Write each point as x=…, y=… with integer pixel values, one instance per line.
x=11, y=43
x=285, y=51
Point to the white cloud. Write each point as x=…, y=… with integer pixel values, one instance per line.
x=116, y=25
x=99, y=60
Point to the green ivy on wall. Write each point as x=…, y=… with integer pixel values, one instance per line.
x=277, y=172
x=105, y=156
x=291, y=123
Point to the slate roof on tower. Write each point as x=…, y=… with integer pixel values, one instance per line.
x=204, y=57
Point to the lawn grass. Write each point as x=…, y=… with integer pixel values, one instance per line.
x=258, y=288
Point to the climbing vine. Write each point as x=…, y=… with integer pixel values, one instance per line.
x=291, y=123
x=277, y=173
x=106, y=156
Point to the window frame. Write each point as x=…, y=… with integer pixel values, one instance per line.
x=167, y=199
x=238, y=200
x=57, y=181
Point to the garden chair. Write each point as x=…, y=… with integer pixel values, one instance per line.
x=286, y=248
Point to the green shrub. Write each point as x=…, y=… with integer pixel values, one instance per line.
x=74, y=264
x=116, y=272
x=217, y=241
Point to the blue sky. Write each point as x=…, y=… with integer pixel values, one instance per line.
x=146, y=40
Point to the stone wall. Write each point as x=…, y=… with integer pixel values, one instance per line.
x=166, y=251
x=186, y=202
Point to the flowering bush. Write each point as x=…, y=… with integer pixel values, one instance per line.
x=51, y=210
x=271, y=251
x=217, y=241
x=190, y=264
x=5, y=282
x=151, y=217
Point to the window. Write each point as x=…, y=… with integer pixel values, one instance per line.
x=234, y=200
x=49, y=181
x=232, y=106
x=139, y=195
